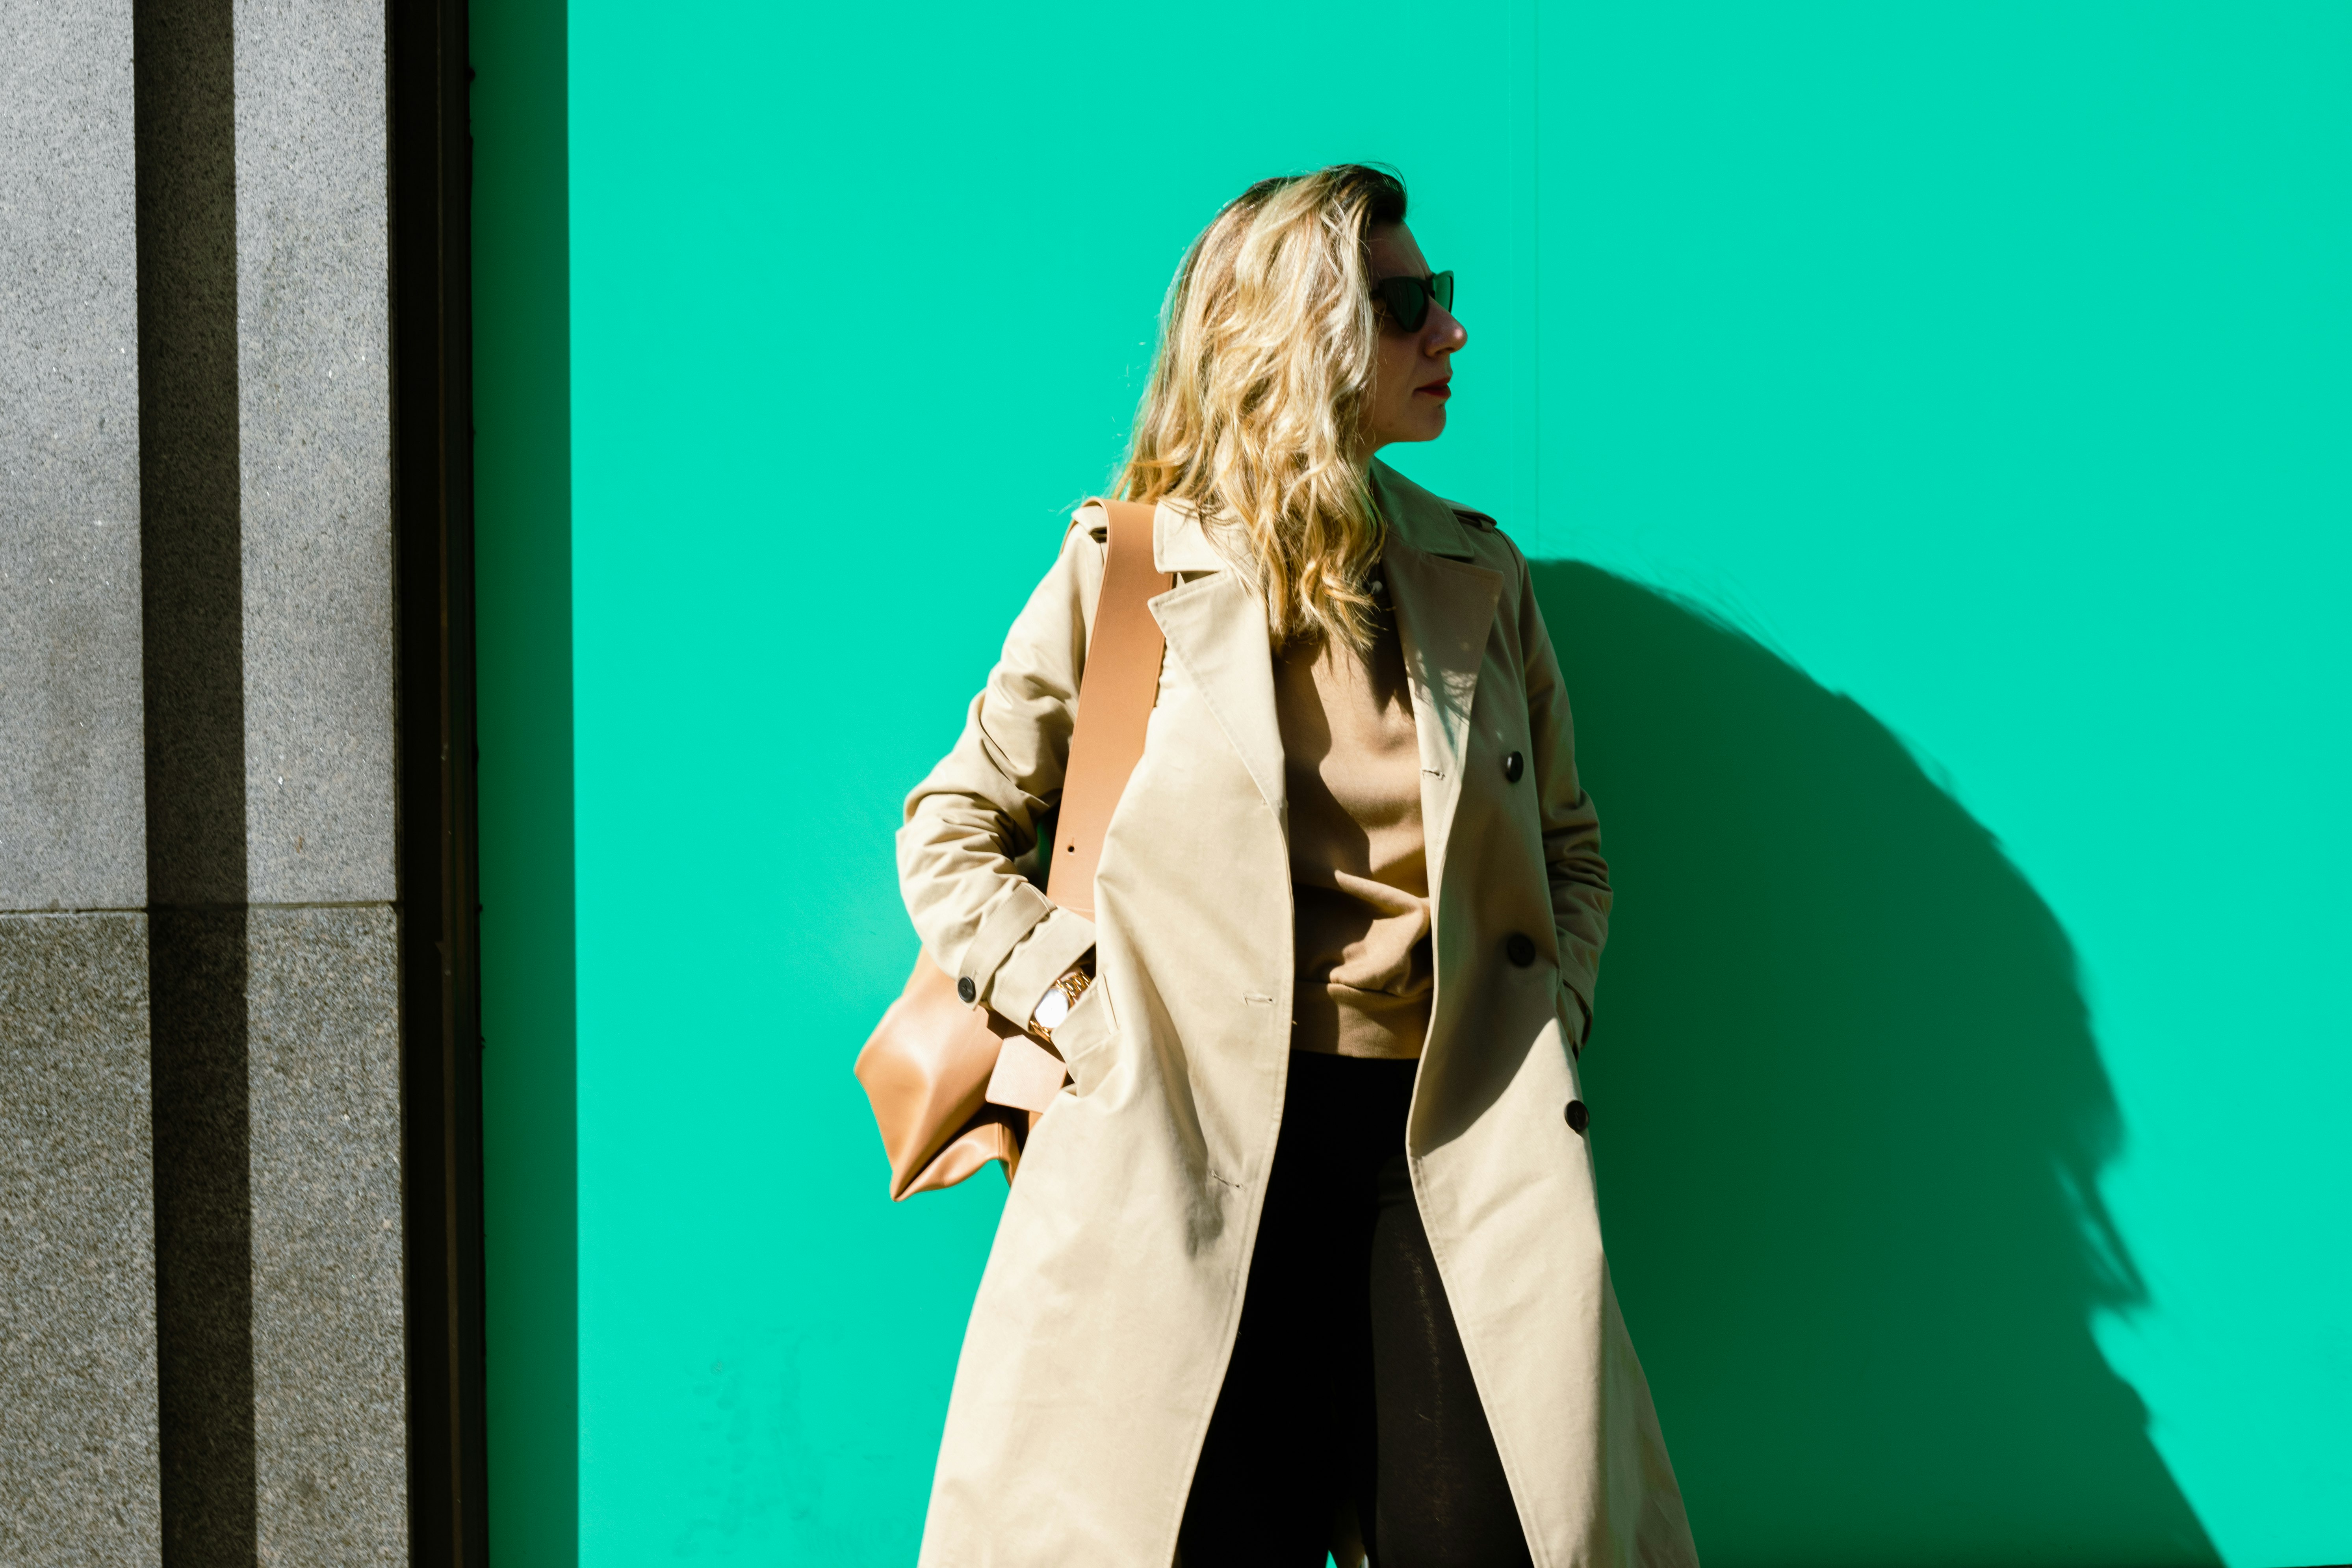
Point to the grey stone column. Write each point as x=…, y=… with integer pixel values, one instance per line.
x=77, y=1384
x=201, y=1320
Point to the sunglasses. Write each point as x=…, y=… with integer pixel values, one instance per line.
x=1408, y=298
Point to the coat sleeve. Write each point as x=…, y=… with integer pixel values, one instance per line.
x=982, y=805
x=1572, y=828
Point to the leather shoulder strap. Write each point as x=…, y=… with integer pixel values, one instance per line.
x=1115, y=691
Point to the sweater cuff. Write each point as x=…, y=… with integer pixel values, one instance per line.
x=1036, y=960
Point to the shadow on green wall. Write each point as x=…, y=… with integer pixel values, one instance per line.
x=1849, y=1119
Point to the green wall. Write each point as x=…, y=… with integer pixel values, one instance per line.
x=524, y=621
x=1933, y=422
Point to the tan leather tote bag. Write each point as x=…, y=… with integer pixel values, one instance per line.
x=952, y=1085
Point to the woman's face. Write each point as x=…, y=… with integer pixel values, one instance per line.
x=1409, y=377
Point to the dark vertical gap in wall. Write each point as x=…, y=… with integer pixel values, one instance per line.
x=203, y=1234
x=193, y=624
x=440, y=1016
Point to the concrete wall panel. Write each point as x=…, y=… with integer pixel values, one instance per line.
x=278, y=1088
x=312, y=236
x=79, y=1480
x=71, y=789
x=201, y=1312
x=78, y=1461
x=330, y=1408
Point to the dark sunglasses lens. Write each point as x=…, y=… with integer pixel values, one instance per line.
x=1442, y=287
x=1407, y=300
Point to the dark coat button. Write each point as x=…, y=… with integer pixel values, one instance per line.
x=1513, y=767
x=1578, y=1117
x=1520, y=949
x=967, y=990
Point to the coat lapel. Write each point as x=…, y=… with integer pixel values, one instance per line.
x=1445, y=606
x=1444, y=610
x=1216, y=629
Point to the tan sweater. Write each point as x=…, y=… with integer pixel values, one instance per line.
x=1357, y=855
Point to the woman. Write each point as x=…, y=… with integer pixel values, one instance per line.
x=1307, y=1256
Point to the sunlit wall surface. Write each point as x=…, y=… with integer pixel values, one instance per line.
x=1934, y=419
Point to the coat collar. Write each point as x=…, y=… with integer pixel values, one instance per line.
x=1179, y=542
x=1425, y=522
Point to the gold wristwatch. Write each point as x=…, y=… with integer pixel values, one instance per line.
x=1058, y=1000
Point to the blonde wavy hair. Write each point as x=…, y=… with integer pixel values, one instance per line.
x=1255, y=405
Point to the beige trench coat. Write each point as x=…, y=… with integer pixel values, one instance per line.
x=1098, y=1341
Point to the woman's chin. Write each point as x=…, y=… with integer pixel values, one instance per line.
x=1425, y=424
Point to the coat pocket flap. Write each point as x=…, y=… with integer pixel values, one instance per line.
x=1027, y=1075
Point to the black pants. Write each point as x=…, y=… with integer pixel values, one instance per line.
x=1347, y=1381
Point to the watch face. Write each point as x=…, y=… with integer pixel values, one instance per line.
x=1052, y=1010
